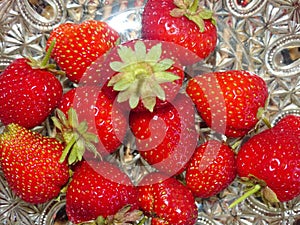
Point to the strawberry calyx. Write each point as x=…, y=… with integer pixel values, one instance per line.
x=44, y=63
x=193, y=11
x=256, y=187
x=123, y=217
x=75, y=135
x=140, y=74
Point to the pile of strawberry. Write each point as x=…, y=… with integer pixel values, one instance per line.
x=137, y=94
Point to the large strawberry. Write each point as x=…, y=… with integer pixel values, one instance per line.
x=102, y=117
x=30, y=163
x=78, y=45
x=184, y=23
x=211, y=169
x=28, y=92
x=229, y=101
x=99, y=189
x=166, y=200
x=166, y=138
x=270, y=161
x=143, y=74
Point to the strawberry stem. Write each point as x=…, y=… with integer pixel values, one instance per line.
x=194, y=6
x=142, y=221
x=47, y=56
x=262, y=117
x=67, y=149
x=252, y=191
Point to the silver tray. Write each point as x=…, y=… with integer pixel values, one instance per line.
x=262, y=36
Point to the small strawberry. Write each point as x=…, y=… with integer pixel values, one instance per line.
x=28, y=92
x=166, y=200
x=143, y=74
x=102, y=117
x=211, y=169
x=166, y=138
x=270, y=161
x=78, y=45
x=228, y=101
x=30, y=163
x=99, y=189
x=184, y=23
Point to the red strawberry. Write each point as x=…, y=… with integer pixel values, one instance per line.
x=183, y=23
x=98, y=189
x=211, y=169
x=166, y=200
x=141, y=73
x=27, y=94
x=102, y=116
x=271, y=160
x=289, y=123
x=166, y=138
x=78, y=45
x=30, y=163
x=228, y=101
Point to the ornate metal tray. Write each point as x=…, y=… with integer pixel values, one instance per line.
x=258, y=35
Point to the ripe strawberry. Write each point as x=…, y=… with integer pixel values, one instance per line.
x=27, y=94
x=102, y=116
x=271, y=160
x=98, y=189
x=30, y=164
x=78, y=45
x=141, y=73
x=211, y=169
x=166, y=138
x=228, y=101
x=289, y=123
x=166, y=200
x=184, y=23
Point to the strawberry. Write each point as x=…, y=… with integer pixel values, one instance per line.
x=142, y=74
x=30, y=163
x=98, y=189
x=270, y=162
x=289, y=123
x=211, y=169
x=228, y=101
x=166, y=200
x=166, y=138
x=78, y=45
x=103, y=118
x=28, y=92
x=184, y=23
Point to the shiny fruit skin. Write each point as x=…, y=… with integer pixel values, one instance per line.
x=228, y=101
x=78, y=45
x=27, y=95
x=273, y=156
x=166, y=200
x=30, y=163
x=98, y=189
x=211, y=169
